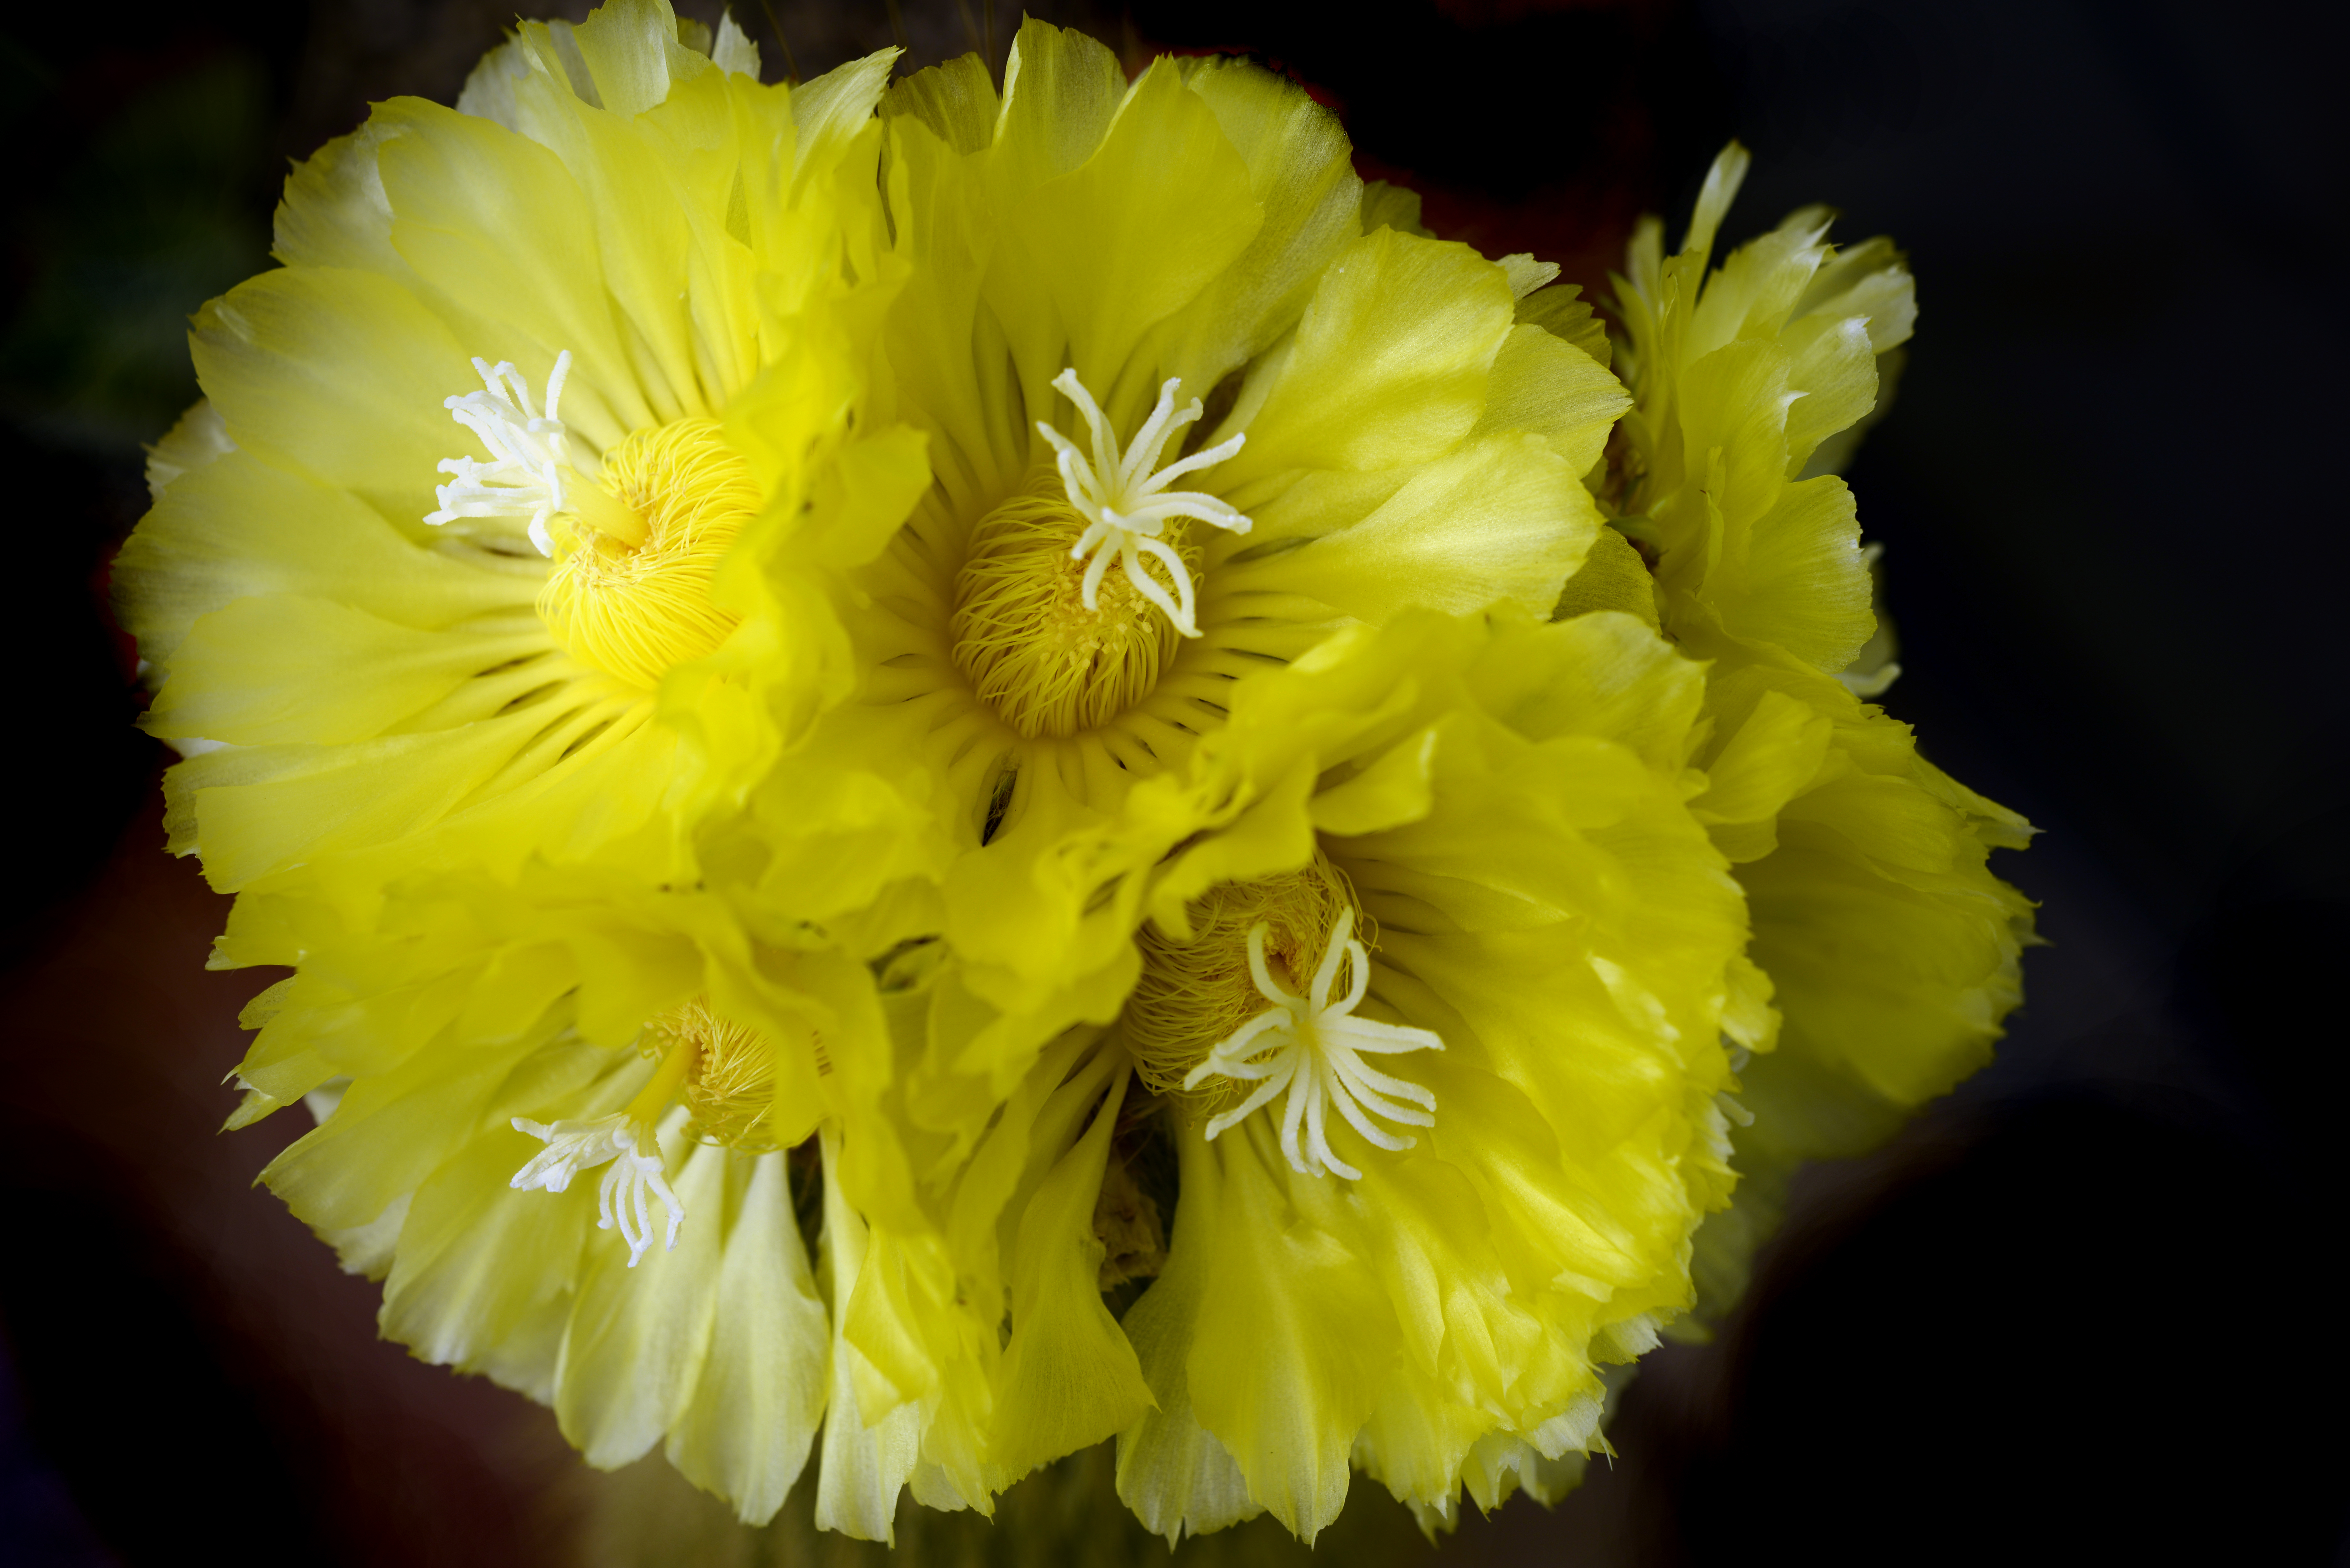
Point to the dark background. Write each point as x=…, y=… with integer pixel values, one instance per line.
x=2077, y=1312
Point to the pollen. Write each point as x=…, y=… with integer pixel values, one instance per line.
x=1046, y=660
x=636, y=553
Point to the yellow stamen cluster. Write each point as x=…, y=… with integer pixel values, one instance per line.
x=634, y=553
x=732, y=1083
x=1026, y=640
x=1194, y=994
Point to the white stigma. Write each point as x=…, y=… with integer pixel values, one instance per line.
x=1126, y=505
x=574, y=1146
x=1314, y=1047
x=526, y=475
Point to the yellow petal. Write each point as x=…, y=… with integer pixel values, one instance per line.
x=632, y=53
x=1294, y=1339
x=1612, y=577
x=1388, y=364
x=391, y=1132
x=1302, y=176
x=274, y=355
x=956, y=99
x=862, y=1469
x=1069, y=1377
x=482, y=214
x=1498, y=520
x=1774, y=752
x=1096, y=255
x=238, y=527
x=1172, y=1471
x=746, y=1432
x=358, y=676
x=334, y=213
x=483, y=1275
x=1548, y=387
x=639, y=1337
x=1060, y=90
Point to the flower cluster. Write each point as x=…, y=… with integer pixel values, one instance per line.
x=686, y=638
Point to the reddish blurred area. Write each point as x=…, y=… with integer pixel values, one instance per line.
x=178, y=1336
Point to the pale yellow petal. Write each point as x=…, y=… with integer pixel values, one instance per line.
x=956, y=99
x=1302, y=175
x=1172, y=1471
x=634, y=54
x=237, y=527
x=1498, y=520
x=1060, y=89
x=638, y=1337
x=1612, y=577
x=1069, y=1377
x=274, y=355
x=358, y=675
x=334, y=213
x=194, y=439
x=1389, y=365
x=1293, y=1340
x=1545, y=386
x=862, y=1469
x=746, y=1433
x=1097, y=256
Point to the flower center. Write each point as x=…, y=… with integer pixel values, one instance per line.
x=635, y=547
x=635, y=556
x=1192, y=994
x=1048, y=657
x=1125, y=501
x=725, y=1074
x=627, y=1145
x=1252, y=1032
x=733, y=1081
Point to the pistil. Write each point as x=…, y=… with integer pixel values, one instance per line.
x=630, y=1144
x=1311, y=1047
x=1126, y=505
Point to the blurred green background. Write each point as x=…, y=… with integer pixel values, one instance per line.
x=153, y=213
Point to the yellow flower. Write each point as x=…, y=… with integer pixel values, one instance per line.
x=1192, y=405
x=441, y=588
x=557, y=1119
x=1465, y=850
x=867, y=717
x=1483, y=829
x=1740, y=378
x=1892, y=950
x=437, y=571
